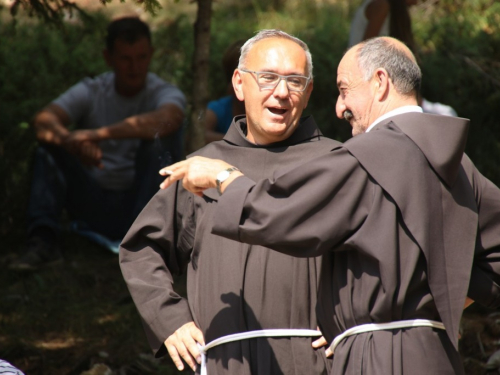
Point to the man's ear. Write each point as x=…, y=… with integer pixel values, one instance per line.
x=238, y=85
x=382, y=84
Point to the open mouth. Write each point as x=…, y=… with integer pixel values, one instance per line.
x=277, y=111
x=348, y=115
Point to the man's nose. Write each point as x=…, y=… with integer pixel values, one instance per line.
x=281, y=90
x=340, y=108
x=134, y=65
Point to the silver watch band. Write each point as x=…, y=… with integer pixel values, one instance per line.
x=222, y=176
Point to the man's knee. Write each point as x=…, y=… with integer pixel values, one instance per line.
x=55, y=157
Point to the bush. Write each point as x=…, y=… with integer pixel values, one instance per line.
x=459, y=55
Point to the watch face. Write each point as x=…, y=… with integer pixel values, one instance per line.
x=222, y=176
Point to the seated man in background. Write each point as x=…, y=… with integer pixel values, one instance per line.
x=220, y=113
x=234, y=288
x=97, y=157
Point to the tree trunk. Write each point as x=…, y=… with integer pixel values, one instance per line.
x=196, y=135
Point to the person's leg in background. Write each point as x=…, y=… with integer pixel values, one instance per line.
x=151, y=157
x=59, y=182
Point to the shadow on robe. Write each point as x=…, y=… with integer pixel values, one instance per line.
x=255, y=354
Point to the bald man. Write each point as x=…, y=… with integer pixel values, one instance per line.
x=406, y=224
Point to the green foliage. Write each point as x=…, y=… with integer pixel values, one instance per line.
x=459, y=54
x=56, y=11
x=460, y=60
x=173, y=43
x=327, y=41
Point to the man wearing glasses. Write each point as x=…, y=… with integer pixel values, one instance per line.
x=408, y=228
x=257, y=304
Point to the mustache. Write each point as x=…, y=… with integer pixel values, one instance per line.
x=348, y=115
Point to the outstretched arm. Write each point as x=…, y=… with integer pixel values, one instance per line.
x=161, y=122
x=51, y=127
x=301, y=212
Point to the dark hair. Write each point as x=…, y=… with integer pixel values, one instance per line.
x=129, y=29
x=231, y=58
x=400, y=23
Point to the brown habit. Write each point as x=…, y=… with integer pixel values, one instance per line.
x=232, y=287
x=400, y=214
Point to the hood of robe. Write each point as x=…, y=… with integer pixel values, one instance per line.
x=306, y=130
x=441, y=139
x=235, y=139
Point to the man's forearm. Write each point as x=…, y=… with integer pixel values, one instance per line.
x=49, y=128
x=161, y=122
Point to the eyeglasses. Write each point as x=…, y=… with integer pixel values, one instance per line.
x=268, y=80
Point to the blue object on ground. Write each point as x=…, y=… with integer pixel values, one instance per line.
x=81, y=229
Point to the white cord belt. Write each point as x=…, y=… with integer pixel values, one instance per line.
x=385, y=326
x=252, y=335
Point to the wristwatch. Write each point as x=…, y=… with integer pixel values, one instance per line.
x=222, y=176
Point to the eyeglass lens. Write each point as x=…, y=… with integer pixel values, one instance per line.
x=271, y=80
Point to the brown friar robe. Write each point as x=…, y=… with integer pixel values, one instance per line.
x=401, y=216
x=231, y=287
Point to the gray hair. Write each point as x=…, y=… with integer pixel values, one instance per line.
x=273, y=33
x=402, y=69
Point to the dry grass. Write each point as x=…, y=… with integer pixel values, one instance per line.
x=65, y=319
x=68, y=318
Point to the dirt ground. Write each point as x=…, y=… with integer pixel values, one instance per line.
x=68, y=318
x=78, y=319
